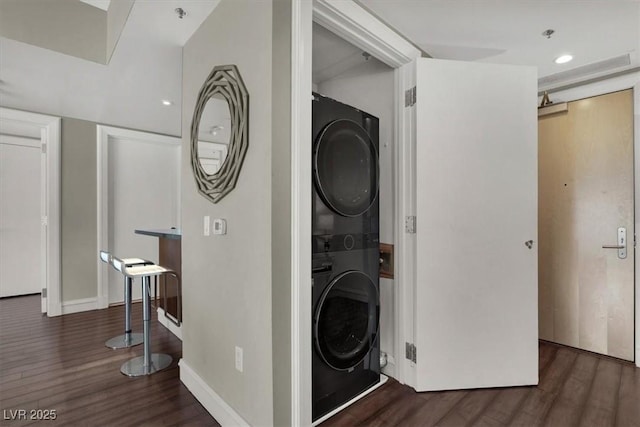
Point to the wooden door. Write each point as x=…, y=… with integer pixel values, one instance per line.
x=476, y=206
x=586, y=193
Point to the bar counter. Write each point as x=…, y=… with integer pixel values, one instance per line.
x=170, y=256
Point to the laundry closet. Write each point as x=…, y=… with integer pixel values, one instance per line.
x=462, y=221
x=353, y=216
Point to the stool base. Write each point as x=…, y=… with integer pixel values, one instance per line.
x=135, y=367
x=121, y=341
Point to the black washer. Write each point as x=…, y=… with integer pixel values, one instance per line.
x=346, y=320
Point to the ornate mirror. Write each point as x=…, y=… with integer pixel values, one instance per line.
x=219, y=132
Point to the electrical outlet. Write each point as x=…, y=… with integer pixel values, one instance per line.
x=206, y=225
x=239, y=358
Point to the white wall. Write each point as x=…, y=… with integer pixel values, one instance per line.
x=143, y=181
x=78, y=215
x=125, y=93
x=227, y=280
x=370, y=87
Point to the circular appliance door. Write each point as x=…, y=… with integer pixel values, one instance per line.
x=346, y=168
x=346, y=320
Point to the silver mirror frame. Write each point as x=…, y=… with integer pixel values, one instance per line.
x=226, y=81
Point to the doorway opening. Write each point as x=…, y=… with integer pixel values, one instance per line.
x=30, y=207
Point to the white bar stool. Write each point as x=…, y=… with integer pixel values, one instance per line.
x=128, y=339
x=148, y=363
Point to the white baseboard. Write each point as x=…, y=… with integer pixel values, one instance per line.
x=214, y=404
x=383, y=379
x=78, y=305
x=176, y=330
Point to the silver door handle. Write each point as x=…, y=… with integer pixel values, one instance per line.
x=622, y=243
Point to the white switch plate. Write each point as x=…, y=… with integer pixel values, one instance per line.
x=206, y=225
x=239, y=358
x=219, y=226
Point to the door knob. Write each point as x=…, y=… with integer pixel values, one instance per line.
x=622, y=243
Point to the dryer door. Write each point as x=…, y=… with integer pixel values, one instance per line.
x=345, y=163
x=346, y=320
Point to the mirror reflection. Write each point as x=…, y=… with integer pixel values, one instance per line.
x=214, y=134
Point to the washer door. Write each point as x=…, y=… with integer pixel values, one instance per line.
x=346, y=320
x=345, y=165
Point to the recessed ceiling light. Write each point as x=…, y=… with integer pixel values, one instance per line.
x=166, y=102
x=563, y=59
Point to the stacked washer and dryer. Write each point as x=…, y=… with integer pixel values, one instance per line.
x=345, y=254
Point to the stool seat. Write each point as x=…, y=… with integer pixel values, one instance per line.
x=129, y=338
x=143, y=270
x=134, y=271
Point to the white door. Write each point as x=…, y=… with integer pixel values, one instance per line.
x=143, y=193
x=476, y=321
x=20, y=216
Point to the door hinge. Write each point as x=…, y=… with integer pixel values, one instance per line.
x=410, y=224
x=44, y=148
x=44, y=292
x=410, y=97
x=410, y=351
x=44, y=221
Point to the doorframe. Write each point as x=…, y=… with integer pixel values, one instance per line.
x=104, y=135
x=50, y=128
x=356, y=25
x=602, y=87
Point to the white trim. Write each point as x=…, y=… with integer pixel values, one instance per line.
x=352, y=22
x=212, y=402
x=50, y=248
x=104, y=135
x=78, y=305
x=629, y=81
x=636, y=150
x=356, y=25
x=405, y=206
x=383, y=381
x=301, y=46
x=175, y=330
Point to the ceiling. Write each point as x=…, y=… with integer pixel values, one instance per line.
x=100, y=4
x=145, y=68
x=158, y=21
x=510, y=31
x=333, y=56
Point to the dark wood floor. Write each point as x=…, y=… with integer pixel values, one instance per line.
x=61, y=363
x=576, y=388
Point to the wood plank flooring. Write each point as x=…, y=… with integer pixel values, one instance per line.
x=576, y=388
x=61, y=363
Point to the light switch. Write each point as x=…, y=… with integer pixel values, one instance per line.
x=219, y=226
x=206, y=225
